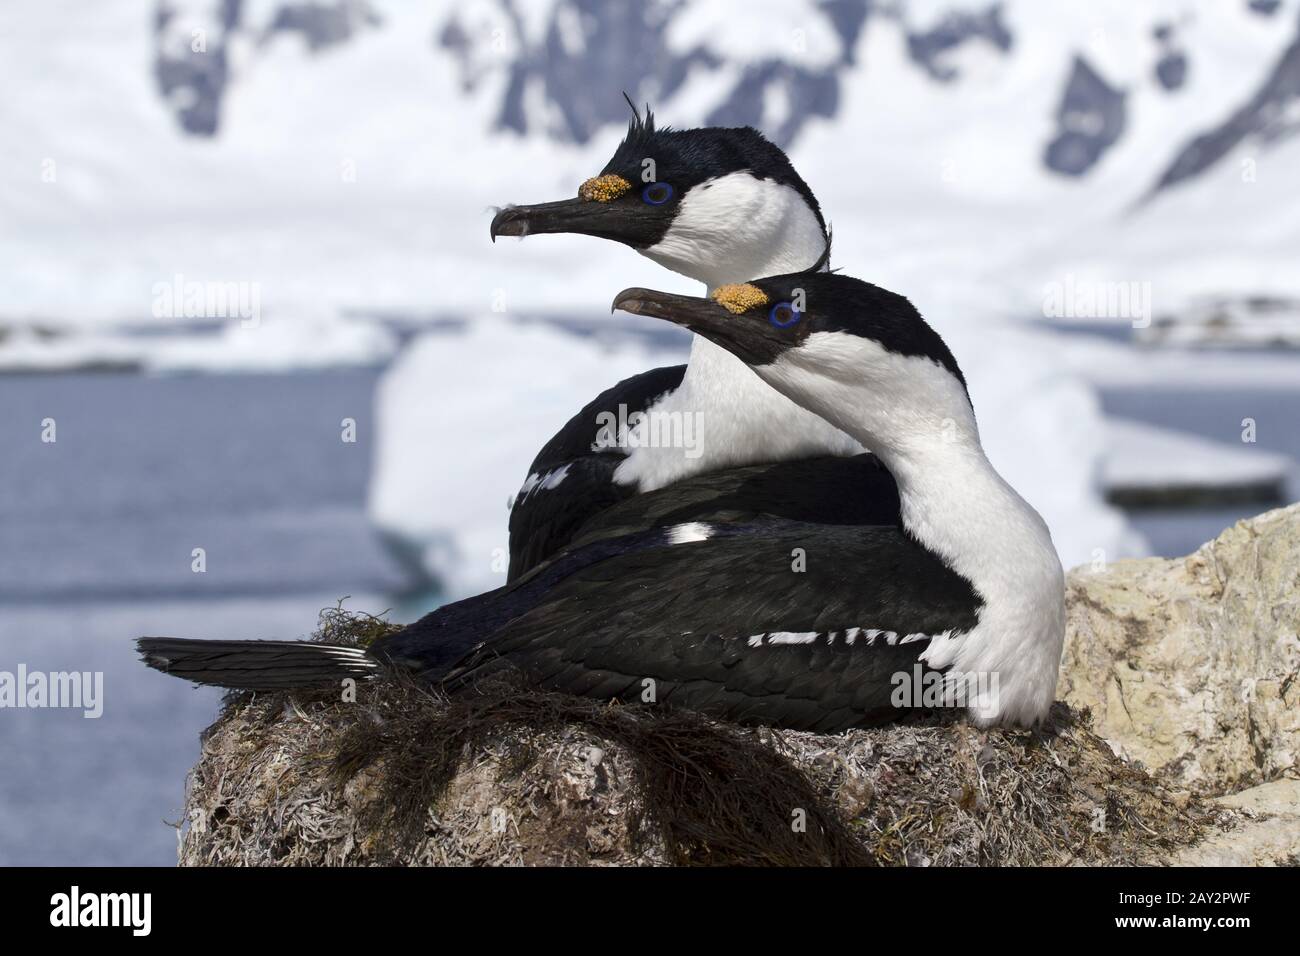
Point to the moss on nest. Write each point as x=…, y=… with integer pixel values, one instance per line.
x=509, y=775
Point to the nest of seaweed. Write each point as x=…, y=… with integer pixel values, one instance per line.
x=504, y=774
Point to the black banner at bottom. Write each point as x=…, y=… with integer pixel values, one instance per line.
x=333, y=907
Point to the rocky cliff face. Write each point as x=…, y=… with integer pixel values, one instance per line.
x=1192, y=665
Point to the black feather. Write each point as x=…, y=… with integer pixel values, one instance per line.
x=255, y=665
x=542, y=523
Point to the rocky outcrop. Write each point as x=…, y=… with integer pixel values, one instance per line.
x=1192, y=665
x=1267, y=831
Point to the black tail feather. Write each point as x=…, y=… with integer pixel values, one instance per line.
x=256, y=665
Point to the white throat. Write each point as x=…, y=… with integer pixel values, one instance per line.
x=732, y=229
x=916, y=417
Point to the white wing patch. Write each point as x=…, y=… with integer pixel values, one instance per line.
x=868, y=636
x=792, y=637
x=688, y=532
x=546, y=482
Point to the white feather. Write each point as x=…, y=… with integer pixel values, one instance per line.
x=792, y=637
x=689, y=531
x=546, y=482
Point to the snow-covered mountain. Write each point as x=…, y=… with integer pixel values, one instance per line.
x=342, y=153
x=777, y=66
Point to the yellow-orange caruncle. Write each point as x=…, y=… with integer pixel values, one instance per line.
x=739, y=298
x=603, y=188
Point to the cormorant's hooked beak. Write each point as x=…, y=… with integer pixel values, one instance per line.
x=691, y=311
x=605, y=220
x=748, y=336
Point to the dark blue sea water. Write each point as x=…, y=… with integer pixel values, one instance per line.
x=96, y=535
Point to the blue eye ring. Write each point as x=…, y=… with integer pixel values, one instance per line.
x=645, y=194
x=795, y=315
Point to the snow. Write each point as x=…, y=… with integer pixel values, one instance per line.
x=1115, y=365
x=269, y=346
x=1144, y=456
x=270, y=201
x=1233, y=231
x=920, y=177
x=1228, y=323
x=793, y=30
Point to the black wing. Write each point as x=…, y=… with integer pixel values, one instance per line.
x=721, y=625
x=542, y=523
x=827, y=490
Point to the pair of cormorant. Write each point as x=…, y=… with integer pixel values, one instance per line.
x=781, y=574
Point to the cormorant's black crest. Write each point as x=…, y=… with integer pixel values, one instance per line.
x=639, y=126
x=688, y=157
x=639, y=143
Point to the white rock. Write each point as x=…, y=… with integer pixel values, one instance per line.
x=1191, y=664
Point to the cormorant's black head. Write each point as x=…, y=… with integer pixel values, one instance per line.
x=762, y=320
x=850, y=351
x=711, y=203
